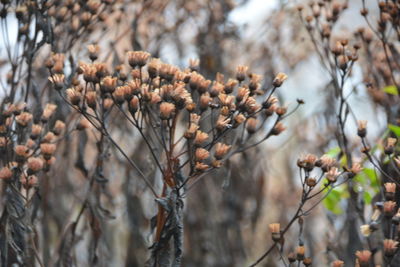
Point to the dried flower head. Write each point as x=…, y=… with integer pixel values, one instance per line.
x=58, y=81
x=34, y=165
x=47, y=150
x=166, y=110
x=300, y=251
x=362, y=128
x=5, y=173
x=137, y=58
x=279, y=79
x=23, y=119
x=338, y=263
x=200, y=138
x=48, y=112
x=201, y=154
x=220, y=150
x=363, y=257
x=59, y=126
x=278, y=129
x=200, y=166
x=241, y=72
x=332, y=174
x=36, y=131
x=73, y=95
x=390, y=247
x=94, y=50
x=389, y=148
x=389, y=208
x=275, y=231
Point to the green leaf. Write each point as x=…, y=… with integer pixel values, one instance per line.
x=333, y=152
x=391, y=89
x=367, y=197
x=332, y=200
x=395, y=129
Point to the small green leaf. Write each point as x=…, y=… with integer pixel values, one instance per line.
x=391, y=89
x=395, y=129
x=333, y=152
x=367, y=197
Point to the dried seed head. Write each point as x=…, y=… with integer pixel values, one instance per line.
x=166, y=110
x=48, y=111
x=34, y=165
x=243, y=94
x=230, y=86
x=311, y=181
x=194, y=64
x=307, y=262
x=389, y=208
x=74, y=96
x=222, y=123
x=325, y=162
x=47, y=150
x=239, y=119
x=363, y=257
x=241, y=73
x=221, y=150
x=59, y=126
x=389, y=148
x=362, y=128
x=300, y=250
x=279, y=79
x=390, y=247
x=355, y=169
x=5, y=173
x=94, y=50
x=200, y=138
x=36, y=131
x=332, y=174
x=338, y=263
x=292, y=257
x=216, y=89
x=23, y=119
x=200, y=166
x=251, y=125
x=137, y=58
x=278, y=129
x=58, y=81
x=154, y=67
x=108, y=84
x=201, y=154
x=119, y=95
x=21, y=152
x=83, y=124
x=204, y=101
x=191, y=131
x=91, y=99
x=134, y=105
x=274, y=228
x=49, y=137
